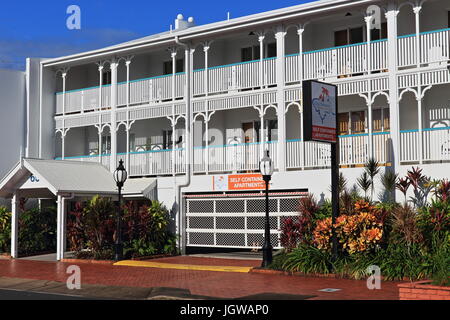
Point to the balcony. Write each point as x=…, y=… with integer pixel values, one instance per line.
x=245, y=157
x=329, y=64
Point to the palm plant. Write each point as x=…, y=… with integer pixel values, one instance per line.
x=389, y=180
x=342, y=183
x=372, y=168
x=364, y=183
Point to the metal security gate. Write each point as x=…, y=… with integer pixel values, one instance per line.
x=237, y=221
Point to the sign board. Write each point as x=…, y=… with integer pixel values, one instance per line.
x=320, y=110
x=238, y=182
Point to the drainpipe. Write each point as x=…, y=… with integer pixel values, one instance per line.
x=181, y=228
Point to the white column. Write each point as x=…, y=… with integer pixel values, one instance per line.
x=63, y=227
x=370, y=126
x=59, y=227
x=172, y=120
x=173, y=55
x=368, y=20
x=261, y=59
x=262, y=135
x=417, y=18
x=206, y=143
x=302, y=140
x=391, y=16
x=300, y=31
x=100, y=143
x=63, y=143
x=15, y=226
x=420, y=123
x=100, y=72
x=113, y=160
x=128, y=126
x=64, y=75
x=206, y=47
x=281, y=78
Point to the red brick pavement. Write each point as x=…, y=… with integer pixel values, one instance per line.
x=206, y=283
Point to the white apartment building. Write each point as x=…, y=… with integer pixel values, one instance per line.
x=191, y=110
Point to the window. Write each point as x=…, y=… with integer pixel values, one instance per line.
x=168, y=66
x=343, y=123
x=358, y=121
x=377, y=34
x=449, y=19
x=271, y=50
x=381, y=120
x=250, y=53
x=106, y=77
x=356, y=35
x=106, y=144
x=270, y=129
x=167, y=139
x=348, y=36
x=253, y=53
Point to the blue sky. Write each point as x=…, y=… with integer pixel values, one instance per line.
x=38, y=28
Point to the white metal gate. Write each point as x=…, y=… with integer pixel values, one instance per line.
x=236, y=221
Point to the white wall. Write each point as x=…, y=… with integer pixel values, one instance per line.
x=12, y=119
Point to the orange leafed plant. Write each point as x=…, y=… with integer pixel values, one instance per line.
x=356, y=233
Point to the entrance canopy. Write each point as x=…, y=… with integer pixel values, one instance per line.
x=35, y=178
x=63, y=180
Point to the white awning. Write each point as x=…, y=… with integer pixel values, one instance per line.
x=47, y=178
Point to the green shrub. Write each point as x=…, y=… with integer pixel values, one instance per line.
x=5, y=230
x=37, y=231
x=278, y=261
x=308, y=260
x=144, y=229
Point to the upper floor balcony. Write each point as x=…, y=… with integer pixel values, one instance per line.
x=430, y=49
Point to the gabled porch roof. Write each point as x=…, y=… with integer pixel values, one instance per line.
x=36, y=178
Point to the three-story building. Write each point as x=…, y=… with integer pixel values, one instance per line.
x=194, y=108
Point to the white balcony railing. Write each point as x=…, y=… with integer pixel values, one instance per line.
x=433, y=49
x=246, y=157
x=436, y=145
x=326, y=64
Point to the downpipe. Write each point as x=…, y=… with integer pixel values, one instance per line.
x=180, y=221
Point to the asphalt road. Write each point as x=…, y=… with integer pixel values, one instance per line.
x=27, y=295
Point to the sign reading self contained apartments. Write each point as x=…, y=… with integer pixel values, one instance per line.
x=238, y=182
x=319, y=111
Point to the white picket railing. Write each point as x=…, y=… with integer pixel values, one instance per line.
x=434, y=49
x=339, y=62
x=327, y=64
x=353, y=151
x=409, y=146
x=436, y=145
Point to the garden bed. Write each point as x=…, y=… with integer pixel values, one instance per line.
x=423, y=290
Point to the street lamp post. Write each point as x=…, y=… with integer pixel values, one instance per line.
x=120, y=176
x=266, y=169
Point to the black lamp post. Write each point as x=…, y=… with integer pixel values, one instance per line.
x=120, y=176
x=266, y=169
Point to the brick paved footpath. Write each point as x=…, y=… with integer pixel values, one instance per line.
x=203, y=283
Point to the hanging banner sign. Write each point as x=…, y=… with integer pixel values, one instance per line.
x=238, y=182
x=320, y=111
